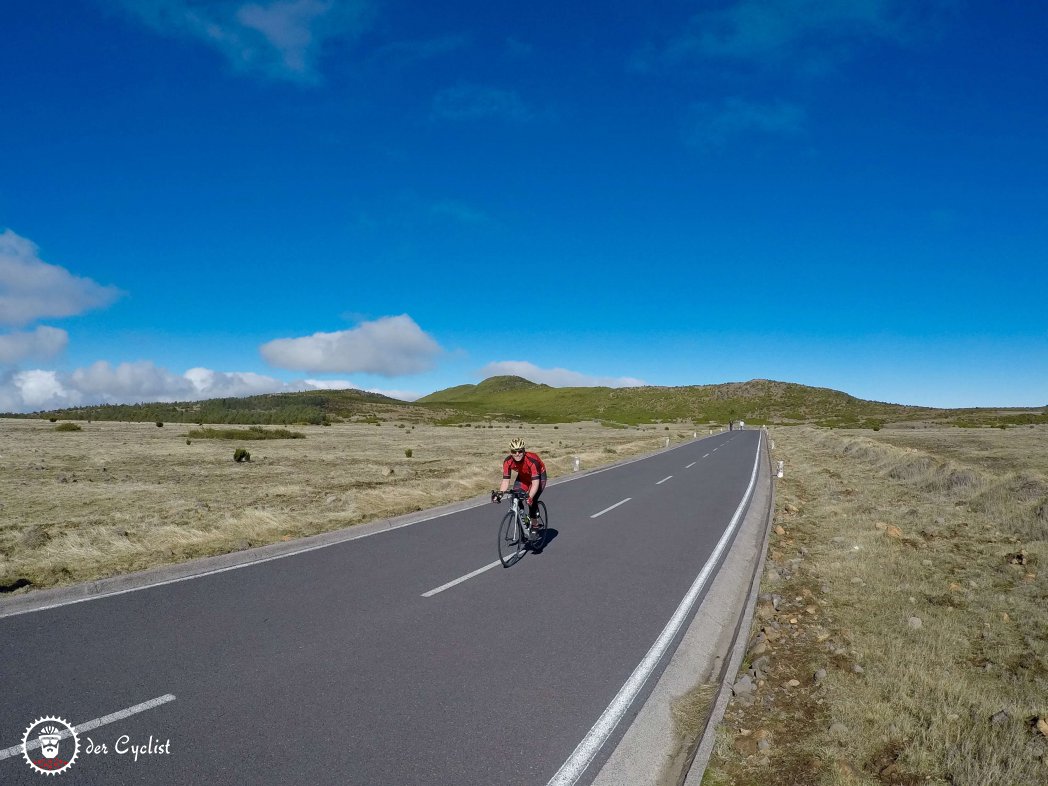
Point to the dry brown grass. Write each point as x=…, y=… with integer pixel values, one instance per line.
x=945, y=526
x=118, y=497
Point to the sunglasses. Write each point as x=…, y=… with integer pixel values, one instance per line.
x=517, y=452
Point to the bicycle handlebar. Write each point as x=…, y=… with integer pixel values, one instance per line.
x=496, y=496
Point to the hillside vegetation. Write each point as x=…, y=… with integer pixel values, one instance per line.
x=309, y=407
x=757, y=402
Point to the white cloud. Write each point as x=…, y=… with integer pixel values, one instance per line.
x=24, y=391
x=43, y=342
x=282, y=39
x=389, y=346
x=31, y=289
x=129, y=382
x=555, y=377
x=143, y=381
x=231, y=384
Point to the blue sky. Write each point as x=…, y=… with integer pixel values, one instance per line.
x=222, y=198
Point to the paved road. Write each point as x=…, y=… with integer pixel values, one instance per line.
x=332, y=666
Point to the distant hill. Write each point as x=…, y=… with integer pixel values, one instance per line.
x=756, y=401
x=759, y=401
x=314, y=406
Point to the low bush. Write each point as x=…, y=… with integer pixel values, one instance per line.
x=255, y=432
x=68, y=427
x=241, y=455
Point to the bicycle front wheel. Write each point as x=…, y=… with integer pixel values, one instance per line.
x=511, y=544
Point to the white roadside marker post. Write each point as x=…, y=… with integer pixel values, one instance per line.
x=780, y=469
x=577, y=463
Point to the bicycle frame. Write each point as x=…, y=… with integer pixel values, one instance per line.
x=521, y=516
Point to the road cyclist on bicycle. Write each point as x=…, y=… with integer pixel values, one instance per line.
x=531, y=477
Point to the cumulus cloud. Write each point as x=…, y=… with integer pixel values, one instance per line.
x=555, y=377
x=43, y=342
x=143, y=381
x=25, y=391
x=32, y=289
x=282, y=39
x=475, y=102
x=390, y=346
x=127, y=382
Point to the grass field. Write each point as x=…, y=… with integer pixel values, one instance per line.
x=116, y=497
x=902, y=632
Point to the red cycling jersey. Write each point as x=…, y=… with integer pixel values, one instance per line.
x=528, y=469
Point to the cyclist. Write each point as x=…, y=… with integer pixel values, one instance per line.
x=531, y=477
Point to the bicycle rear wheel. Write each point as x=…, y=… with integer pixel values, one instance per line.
x=538, y=539
x=511, y=544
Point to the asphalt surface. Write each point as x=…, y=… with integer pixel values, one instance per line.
x=331, y=667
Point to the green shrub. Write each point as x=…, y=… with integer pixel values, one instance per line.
x=407, y=452
x=160, y=424
x=68, y=427
x=241, y=455
x=254, y=432
x=53, y=420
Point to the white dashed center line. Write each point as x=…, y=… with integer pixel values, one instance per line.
x=611, y=508
x=664, y=480
x=692, y=464
x=460, y=579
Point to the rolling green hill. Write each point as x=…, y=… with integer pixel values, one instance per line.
x=756, y=401
x=759, y=401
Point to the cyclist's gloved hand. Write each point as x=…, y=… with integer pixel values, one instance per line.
x=496, y=497
x=530, y=502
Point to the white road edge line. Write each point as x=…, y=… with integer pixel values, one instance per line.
x=664, y=480
x=611, y=508
x=80, y=728
x=460, y=579
x=692, y=464
x=584, y=753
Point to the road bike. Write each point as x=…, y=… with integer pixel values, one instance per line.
x=516, y=535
